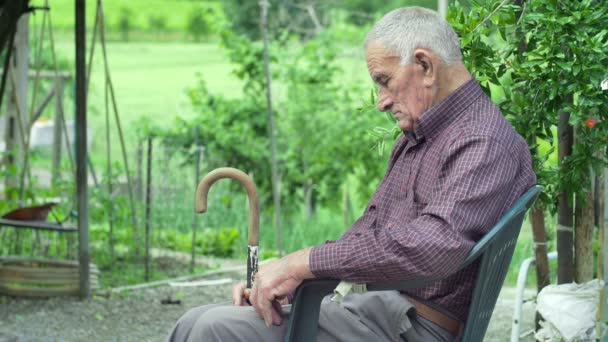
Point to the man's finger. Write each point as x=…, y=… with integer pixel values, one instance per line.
x=277, y=310
x=238, y=292
x=267, y=312
x=262, y=304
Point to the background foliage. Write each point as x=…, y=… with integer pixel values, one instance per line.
x=200, y=69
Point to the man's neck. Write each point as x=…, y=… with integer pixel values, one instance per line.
x=452, y=77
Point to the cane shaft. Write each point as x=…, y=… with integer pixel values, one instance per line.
x=252, y=264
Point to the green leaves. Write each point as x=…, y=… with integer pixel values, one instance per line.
x=322, y=133
x=566, y=51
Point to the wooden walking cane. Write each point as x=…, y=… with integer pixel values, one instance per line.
x=254, y=212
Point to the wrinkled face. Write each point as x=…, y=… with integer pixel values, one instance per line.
x=403, y=90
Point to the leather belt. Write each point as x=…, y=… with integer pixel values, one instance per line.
x=439, y=318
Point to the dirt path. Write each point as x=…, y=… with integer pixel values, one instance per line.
x=140, y=316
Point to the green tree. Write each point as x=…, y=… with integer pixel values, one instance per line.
x=550, y=60
x=197, y=24
x=364, y=11
x=244, y=16
x=324, y=137
x=157, y=23
x=125, y=22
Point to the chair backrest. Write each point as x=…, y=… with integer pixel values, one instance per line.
x=495, y=250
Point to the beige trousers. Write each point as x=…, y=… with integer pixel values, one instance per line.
x=373, y=316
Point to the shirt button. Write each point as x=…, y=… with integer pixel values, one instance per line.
x=372, y=207
x=357, y=234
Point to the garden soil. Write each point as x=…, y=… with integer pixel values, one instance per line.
x=139, y=315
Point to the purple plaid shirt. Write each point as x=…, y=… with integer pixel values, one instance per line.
x=446, y=185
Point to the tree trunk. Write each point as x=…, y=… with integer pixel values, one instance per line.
x=565, y=271
x=583, y=238
x=82, y=197
x=276, y=178
x=537, y=218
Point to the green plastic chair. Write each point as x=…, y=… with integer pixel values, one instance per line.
x=495, y=250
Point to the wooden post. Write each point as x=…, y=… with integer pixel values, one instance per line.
x=139, y=182
x=109, y=177
x=81, y=152
x=57, y=129
x=276, y=182
x=22, y=70
x=17, y=77
x=565, y=220
x=101, y=22
x=148, y=207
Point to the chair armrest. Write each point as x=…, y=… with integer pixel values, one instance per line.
x=304, y=318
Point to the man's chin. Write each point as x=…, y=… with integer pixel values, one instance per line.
x=405, y=126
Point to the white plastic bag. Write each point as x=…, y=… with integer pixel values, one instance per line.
x=569, y=311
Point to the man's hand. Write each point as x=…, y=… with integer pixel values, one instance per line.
x=275, y=280
x=240, y=294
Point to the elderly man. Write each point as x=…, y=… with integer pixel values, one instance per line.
x=453, y=173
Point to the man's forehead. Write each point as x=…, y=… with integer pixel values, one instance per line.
x=376, y=49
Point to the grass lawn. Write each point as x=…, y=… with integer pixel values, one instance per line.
x=175, y=13
x=150, y=80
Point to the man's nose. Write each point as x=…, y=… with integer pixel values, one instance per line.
x=384, y=102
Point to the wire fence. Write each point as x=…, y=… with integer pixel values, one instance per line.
x=168, y=230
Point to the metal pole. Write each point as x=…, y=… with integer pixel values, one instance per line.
x=276, y=193
x=442, y=8
x=139, y=171
x=197, y=176
x=81, y=151
x=148, y=207
x=57, y=126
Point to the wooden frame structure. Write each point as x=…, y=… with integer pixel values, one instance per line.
x=10, y=13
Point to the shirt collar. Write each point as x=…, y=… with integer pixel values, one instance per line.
x=441, y=115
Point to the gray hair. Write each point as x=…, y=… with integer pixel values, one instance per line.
x=405, y=29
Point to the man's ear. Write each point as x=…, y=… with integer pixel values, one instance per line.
x=428, y=63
